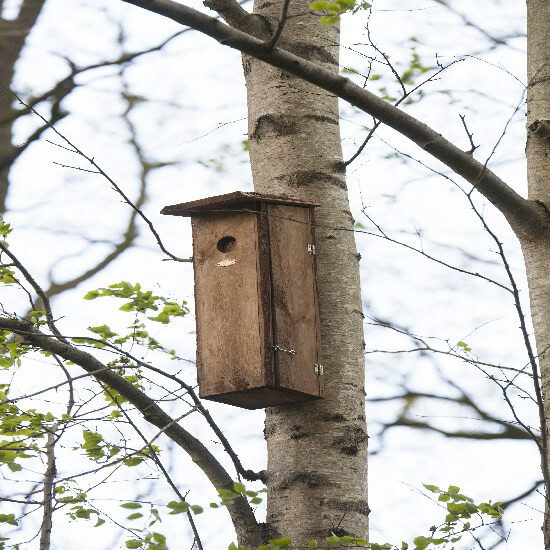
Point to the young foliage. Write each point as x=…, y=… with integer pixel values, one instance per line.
x=227, y=496
x=459, y=506
x=333, y=10
x=140, y=301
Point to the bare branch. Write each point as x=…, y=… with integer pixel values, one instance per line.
x=522, y=214
x=154, y=455
x=473, y=147
x=100, y=171
x=230, y=11
x=36, y=287
x=49, y=479
x=241, y=513
x=271, y=44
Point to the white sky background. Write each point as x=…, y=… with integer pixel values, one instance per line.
x=63, y=217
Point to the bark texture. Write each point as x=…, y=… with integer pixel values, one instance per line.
x=536, y=248
x=317, y=452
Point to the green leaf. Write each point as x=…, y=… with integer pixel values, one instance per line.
x=239, y=487
x=227, y=496
x=104, y=331
x=178, y=507
x=320, y=5
x=281, y=543
x=159, y=538
x=328, y=20
x=136, y=515
x=8, y=518
x=135, y=461
x=421, y=543
x=134, y=543
x=131, y=505
x=196, y=509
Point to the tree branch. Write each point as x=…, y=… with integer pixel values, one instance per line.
x=241, y=514
x=48, y=491
x=523, y=215
x=271, y=44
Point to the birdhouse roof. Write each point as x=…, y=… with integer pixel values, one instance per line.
x=232, y=200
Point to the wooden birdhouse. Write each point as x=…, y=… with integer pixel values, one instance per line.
x=258, y=332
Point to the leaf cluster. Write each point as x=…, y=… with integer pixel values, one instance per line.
x=333, y=10
x=459, y=507
x=140, y=301
x=227, y=496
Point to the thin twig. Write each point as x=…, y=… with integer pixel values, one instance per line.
x=158, y=462
x=543, y=444
x=241, y=471
x=38, y=289
x=271, y=44
x=404, y=96
x=473, y=147
x=91, y=160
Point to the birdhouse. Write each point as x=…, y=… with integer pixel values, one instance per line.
x=258, y=330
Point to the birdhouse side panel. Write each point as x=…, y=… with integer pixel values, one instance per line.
x=230, y=321
x=296, y=326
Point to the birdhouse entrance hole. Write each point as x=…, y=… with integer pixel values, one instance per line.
x=226, y=244
x=258, y=329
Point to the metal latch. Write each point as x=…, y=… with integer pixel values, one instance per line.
x=311, y=249
x=291, y=351
x=318, y=369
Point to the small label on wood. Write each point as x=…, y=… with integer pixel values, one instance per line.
x=227, y=263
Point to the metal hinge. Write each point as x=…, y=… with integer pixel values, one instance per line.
x=318, y=369
x=311, y=249
x=291, y=351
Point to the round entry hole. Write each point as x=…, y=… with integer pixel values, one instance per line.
x=227, y=244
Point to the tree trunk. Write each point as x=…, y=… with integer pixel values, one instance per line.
x=317, y=451
x=536, y=249
x=12, y=39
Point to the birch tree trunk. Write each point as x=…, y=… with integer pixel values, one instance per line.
x=536, y=247
x=317, y=451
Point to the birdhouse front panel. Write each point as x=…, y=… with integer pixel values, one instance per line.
x=258, y=329
x=231, y=321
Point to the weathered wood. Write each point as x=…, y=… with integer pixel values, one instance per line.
x=294, y=299
x=256, y=296
x=230, y=200
x=229, y=322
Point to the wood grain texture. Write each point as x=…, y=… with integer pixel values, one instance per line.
x=294, y=301
x=229, y=323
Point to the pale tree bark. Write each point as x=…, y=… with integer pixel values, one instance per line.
x=317, y=451
x=536, y=248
